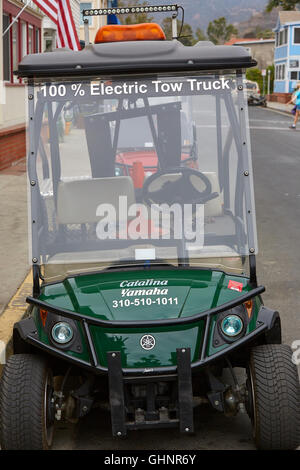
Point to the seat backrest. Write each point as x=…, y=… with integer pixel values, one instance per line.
x=78, y=200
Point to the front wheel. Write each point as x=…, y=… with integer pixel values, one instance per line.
x=26, y=410
x=274, y=397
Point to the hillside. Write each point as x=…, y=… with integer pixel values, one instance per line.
x=198, y=13
x=260, y=20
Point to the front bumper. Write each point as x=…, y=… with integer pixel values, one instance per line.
x=28, y=332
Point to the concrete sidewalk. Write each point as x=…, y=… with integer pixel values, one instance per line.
x=15, y=282
x=14, y=263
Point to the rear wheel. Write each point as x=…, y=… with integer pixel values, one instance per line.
x=26, y=411
x=274, y=397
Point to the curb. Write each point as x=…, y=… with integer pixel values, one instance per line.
x=14, y=312
x=285, y=111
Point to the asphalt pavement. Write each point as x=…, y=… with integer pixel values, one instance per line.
x=276, y=165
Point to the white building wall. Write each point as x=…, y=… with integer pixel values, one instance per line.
x=96, y=21
x=75, y=6
x=2, y=89
x=12, y=98
x=1, y=41
x=50, y=28
x=14, y=109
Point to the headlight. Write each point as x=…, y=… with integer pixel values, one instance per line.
x=232, y=325
x=62, y=333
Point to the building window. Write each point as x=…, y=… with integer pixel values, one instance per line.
x=49, y=43
x=21, y=39
x=296, y=35
x=294, y=64
x=6, y=50
x=280, y=72
x=85, y=6
x=37, y=40
x=15, y=48
x=282, y=37
x=24, y=39
x=30, y=39
x=294, y=75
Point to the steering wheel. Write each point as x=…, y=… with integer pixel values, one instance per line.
x=177, y=185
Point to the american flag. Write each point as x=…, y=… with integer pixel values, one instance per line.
x=59, y=11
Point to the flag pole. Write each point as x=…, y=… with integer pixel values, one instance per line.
x=15, y=19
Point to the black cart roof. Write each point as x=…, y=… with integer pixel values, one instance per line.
x=135, y=57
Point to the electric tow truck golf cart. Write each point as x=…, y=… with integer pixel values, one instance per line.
x=143, y=246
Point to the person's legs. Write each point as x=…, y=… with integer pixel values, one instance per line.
x=293, y=126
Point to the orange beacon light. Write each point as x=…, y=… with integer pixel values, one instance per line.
x=136, y=32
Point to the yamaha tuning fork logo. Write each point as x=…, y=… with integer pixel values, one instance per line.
x=147, y=342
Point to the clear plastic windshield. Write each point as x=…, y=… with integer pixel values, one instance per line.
x=150, y=170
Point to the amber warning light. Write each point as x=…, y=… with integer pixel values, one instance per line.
x=136, y=32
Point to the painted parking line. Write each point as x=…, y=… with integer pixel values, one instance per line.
x=271, y=128
x=265, y=128
x=270, y=121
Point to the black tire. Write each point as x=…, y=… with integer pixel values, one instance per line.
x=26, y=418
x=274, y=397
